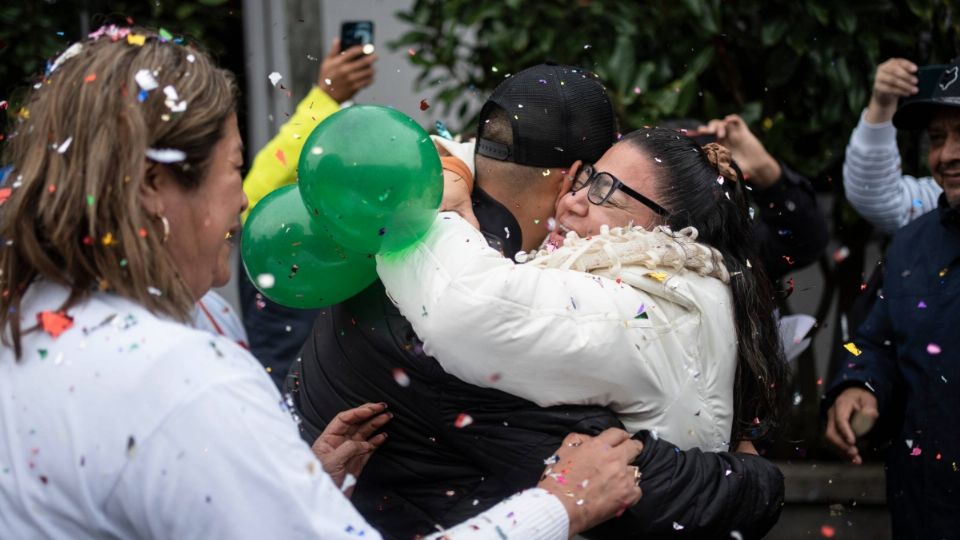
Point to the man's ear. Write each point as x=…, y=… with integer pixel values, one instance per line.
x=156, y=183
x=567, y=178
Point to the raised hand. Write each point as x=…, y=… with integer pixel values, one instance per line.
x=344, y=73
x=348, y=441
x=895, y=78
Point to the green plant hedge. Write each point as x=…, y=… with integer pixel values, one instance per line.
x=799, y=71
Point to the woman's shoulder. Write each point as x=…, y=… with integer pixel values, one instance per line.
x=126, y=338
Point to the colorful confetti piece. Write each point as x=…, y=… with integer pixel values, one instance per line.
x=424, y=105
x=401, y=377
x=933, y=349
x=463, y=420
x=136, y=39
x=659, y=276
x=54, y=322
x=852, y=347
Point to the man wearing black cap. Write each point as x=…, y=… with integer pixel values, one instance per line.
x=455, y=449
x=873, y=181
x=905, y=361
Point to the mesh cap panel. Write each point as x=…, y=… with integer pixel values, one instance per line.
x=559, y=114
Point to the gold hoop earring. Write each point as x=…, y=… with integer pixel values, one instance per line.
x=166, y=228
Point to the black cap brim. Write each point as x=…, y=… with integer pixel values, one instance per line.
x=917, y=114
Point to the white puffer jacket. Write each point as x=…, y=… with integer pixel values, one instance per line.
x=638, y=321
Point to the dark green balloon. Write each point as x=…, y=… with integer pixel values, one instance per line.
x=293, y=261
x=372, y=176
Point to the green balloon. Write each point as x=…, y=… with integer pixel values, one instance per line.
x=293, y=261
x=372, y=176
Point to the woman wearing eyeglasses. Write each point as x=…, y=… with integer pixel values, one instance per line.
x=644, y=298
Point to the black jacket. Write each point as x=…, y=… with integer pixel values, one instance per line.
x=790, y=230
x=910, y=360
x=432, y=472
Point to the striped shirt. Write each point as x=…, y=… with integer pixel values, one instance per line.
x=874, y=183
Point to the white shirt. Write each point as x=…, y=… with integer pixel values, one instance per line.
x=874, y=184
x=129, y=425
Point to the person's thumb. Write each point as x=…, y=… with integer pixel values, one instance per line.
x=334, y=48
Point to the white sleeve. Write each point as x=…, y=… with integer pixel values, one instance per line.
x=874, y=183
x=548, y=335
x=229, y=463
x=533, y=514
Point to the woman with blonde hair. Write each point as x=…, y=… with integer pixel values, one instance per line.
x=117, y=418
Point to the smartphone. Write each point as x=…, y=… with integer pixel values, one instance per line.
x=357, y=33
x=927, y=79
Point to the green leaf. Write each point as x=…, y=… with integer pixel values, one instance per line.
x=772, y=32
x=751, y=112
x=846, y=21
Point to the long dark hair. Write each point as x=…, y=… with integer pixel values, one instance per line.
x=690, y=188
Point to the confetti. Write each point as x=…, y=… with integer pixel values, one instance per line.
x=145, y=80
x=90, y=78
x=281, y=157
x=841, y=254
x=642, y=312
x=401, y=377
x=266, y=281
x=852, y=347
x=107, y=239
x=136, y=39
x=463, y=420
x=275, y=78
x=827, y=531
x=131, y=447
x=164, y=34
x=5, y=194
x=443, y=131
x=424, y=105
x=54, y=322
x=916, y=451
x=64, y=145
x=659, y=276
x=933, y=349
x=165, y=155
x=677, y=526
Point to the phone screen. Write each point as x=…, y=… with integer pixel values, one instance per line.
x=356, y=33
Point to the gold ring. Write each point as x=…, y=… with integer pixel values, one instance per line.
x=636, y=474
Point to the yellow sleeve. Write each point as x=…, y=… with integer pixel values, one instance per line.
x=276, y=164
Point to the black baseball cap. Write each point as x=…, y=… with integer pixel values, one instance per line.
x=937, y=88
x=559, y=114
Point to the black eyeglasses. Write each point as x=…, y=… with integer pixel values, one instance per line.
x=602, y=186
